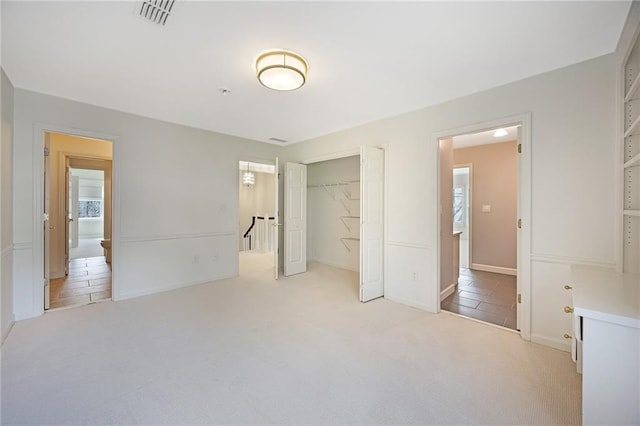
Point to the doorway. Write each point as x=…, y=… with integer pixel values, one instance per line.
x=257, y=218
x=337, y=216
x=78, y=220
x=479, y=196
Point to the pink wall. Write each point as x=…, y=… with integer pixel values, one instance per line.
x=494, y=183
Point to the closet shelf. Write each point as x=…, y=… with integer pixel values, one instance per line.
x=635, y=161
x=633, y=128
x=633, y=90
x=631, y=213
x=344, y=222
x=342, y=240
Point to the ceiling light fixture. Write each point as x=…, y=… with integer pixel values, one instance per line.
x=500, y=133
x=248, y=178
x=281, y=70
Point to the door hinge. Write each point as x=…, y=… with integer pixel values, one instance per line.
x=519, y=298
x=46, y=151
x=519, y=223
x=519, y=148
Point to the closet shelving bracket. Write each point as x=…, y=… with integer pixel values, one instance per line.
x=342, y=240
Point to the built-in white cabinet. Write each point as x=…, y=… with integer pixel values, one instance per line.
x=551, y=324
x=606, y=307
x=630, y=158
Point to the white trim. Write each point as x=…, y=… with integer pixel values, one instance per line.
x=567, y=260
x=332, y=264
x=333, y=156
x=560, y=344
x=470, y=208
x=39, y=130
x=448, y=291
x=524, y=208
x=494, y=269
x=409, y=302
x=22, y=246
x=142, y=239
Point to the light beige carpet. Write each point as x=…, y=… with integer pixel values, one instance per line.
x=298, y=350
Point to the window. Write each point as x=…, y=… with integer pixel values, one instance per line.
x=89, y=208
x=458, y=206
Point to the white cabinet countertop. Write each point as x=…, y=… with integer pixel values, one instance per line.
x=605, y=295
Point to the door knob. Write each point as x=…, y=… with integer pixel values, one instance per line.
x=568, y=310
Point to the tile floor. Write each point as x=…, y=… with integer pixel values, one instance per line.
x=485, y=296
x=89, y=280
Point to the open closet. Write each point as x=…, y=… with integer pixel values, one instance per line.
x=334, y=214
x=333, y=218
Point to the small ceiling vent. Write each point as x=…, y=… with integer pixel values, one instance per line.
x=156, y=11
x=278, y=140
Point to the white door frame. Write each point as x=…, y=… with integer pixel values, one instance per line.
x=267, y=161
x=39, y=131
x=470, y=211
x=524, y=208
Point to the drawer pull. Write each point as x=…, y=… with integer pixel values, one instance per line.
x=568, y=310
x=567, y=287
x=568, y=336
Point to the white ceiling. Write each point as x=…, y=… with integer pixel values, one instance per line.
x=368, y=60
x=484, y=138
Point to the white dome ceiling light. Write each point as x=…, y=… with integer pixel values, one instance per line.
x=281, y=70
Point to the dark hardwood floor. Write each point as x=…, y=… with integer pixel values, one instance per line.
x=485, y=296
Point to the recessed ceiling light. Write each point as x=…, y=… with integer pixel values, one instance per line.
x=281, y=70
x=500, y=133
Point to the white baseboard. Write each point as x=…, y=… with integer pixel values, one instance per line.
x=410, y=302
x=447, y=291
x=560, y=344
x=494, y=269
x=334, y=264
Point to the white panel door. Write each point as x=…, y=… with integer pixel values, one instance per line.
x=372, y=229
x=295, y=218
x=276, y=223
x=46, y=222
x=73, y=209
x=519, y=311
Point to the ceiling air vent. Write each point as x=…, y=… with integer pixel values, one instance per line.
x=278, y=140
x=156, y=11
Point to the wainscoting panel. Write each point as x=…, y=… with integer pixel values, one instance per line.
x=154, y=264
x=410, y=275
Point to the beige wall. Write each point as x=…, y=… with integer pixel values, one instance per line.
x=61, y=145
x=495, y=183
x=446, y=213
x=258, y=199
